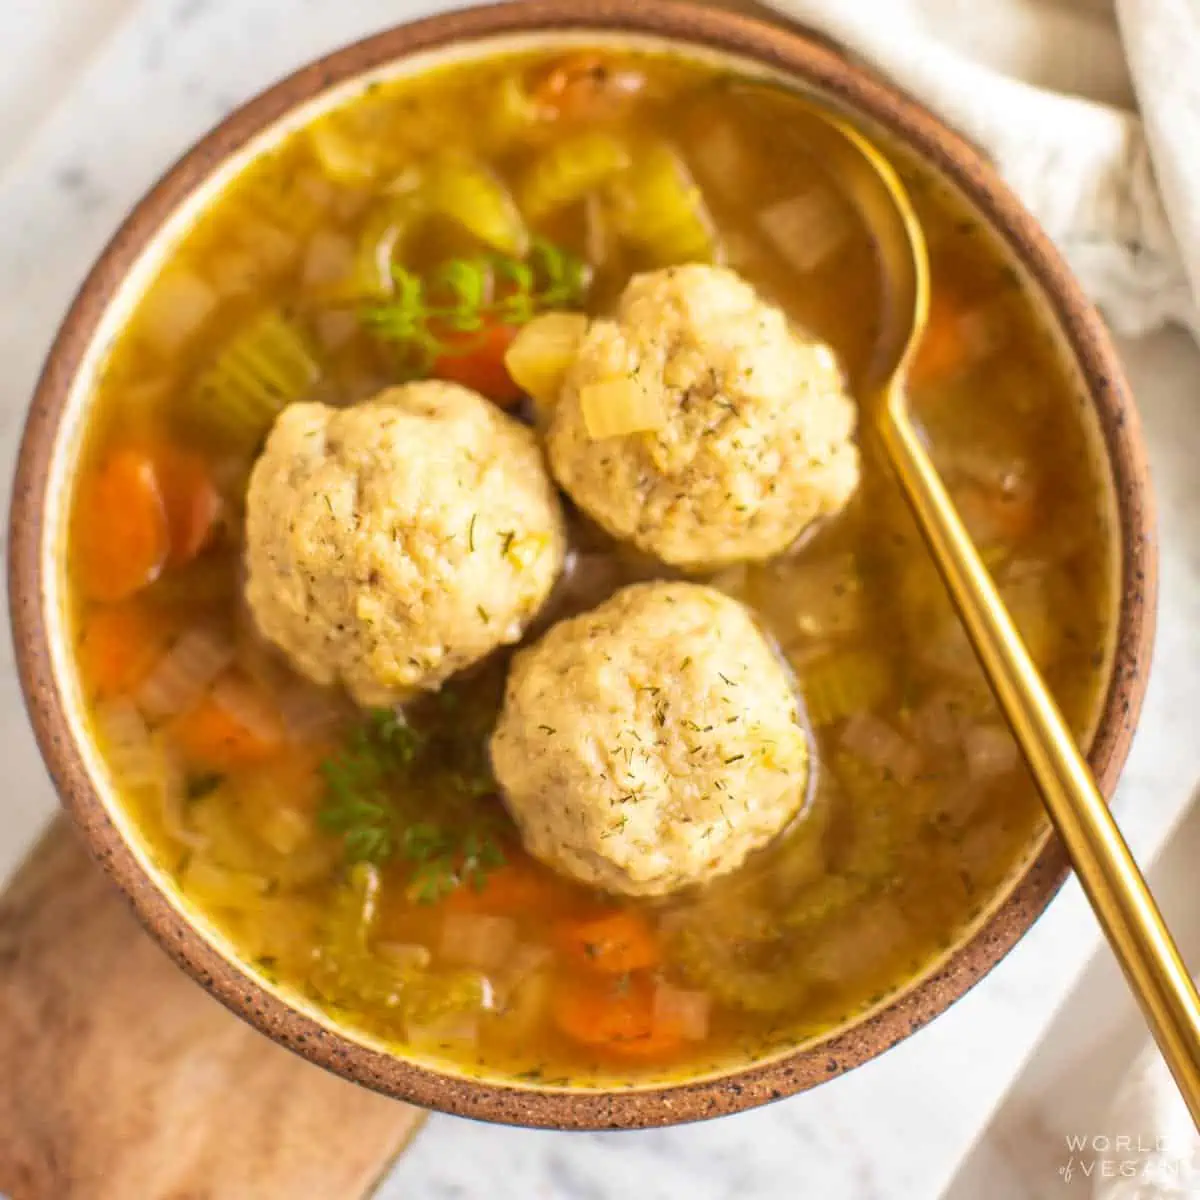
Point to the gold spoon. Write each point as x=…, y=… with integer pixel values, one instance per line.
x=1111, y=879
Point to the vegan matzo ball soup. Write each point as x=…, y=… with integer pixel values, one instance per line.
x=315, y=521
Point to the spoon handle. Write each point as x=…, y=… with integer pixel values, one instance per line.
x=1111, y=879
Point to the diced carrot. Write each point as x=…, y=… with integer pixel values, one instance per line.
x=1003, y=515
x=613, y=1016
x=119, y=645
x=191, y=498
x=235, y=725
x=122, y=537
x=584, y=85
x=613, y=943
x=476, y=360
x=519, y=887
x=943, y=349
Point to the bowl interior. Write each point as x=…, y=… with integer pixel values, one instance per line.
x=53, y=445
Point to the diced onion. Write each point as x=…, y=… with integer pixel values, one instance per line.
x=684, y=1013
x=128, y=744
x=174, y=310
x=990, y=752
x=721, y=160
x=449, y=1030
x=806, y=229
x=183, y=674
x=309, y=712
x=616, y=407
x=542, y=352
x=876, y=742
x=406, y=956
x=328, y=258
x=937, y=721
x=335, y=328
x=471, y=940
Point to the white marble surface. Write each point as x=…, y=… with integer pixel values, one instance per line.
x=98, y=97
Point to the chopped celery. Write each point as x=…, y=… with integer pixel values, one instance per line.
x=615, y=407
x=350, y=971
x=470, y=195
x=843, y=683
x=540, y=354
x=570, y=169
x=659, y=209
x=261, y=370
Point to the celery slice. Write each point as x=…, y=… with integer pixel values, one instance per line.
x=844, y=683
x=659, y=209
x=470, y=195
x=571, y=169
x=262, y=369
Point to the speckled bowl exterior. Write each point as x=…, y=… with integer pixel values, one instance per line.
x=36, y=529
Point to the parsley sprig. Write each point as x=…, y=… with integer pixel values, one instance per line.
x=396, y=793
x=429, y=316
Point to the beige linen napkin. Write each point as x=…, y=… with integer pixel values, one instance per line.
x=1089, y=108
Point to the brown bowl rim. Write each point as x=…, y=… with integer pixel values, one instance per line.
x=754, y=1084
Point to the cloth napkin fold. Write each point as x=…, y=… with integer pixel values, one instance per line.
x=1090, y=110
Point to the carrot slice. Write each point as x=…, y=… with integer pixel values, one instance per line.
x=615, y=1017
x=191, y=499
x=476, y=360
x=119, y=645
x=584, y=86
x=943, y=349
x=235, y=725
x=518, y=887
x=613, y=943
x=122, y=537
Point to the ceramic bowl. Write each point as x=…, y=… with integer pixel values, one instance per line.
x=51, y=443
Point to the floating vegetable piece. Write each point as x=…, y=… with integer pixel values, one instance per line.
x=262, y=369
x=479, y=361
x=586, y=85
x=470, y=195
x=122, y=532
x=541, y=353
x=616, y=407
x=612, y=943
x=659, y=209
x=569, y=170
x=120, y=645
x=840, y=684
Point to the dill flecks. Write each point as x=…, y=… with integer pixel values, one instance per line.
x=396, y=793
x=428, y=317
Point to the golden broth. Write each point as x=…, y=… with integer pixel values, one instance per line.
x=920, y=810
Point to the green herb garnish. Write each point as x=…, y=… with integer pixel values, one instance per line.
x=432, y=316
x=396, y=792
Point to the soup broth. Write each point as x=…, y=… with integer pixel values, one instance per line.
x=363, y=861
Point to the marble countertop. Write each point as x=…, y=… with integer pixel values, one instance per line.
x=98, y=97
